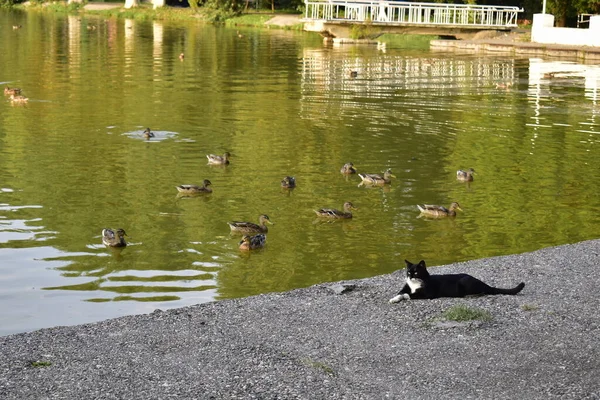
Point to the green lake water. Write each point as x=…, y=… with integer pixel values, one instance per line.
x=73, y=161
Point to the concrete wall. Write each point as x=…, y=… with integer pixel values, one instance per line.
x=543, y=31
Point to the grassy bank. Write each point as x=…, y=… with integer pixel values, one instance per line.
x=145, y=11
x=254, y=18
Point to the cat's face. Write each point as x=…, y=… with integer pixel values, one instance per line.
x=416, y=271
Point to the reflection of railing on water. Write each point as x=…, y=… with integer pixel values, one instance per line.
x=543, y=73
x=402, y=12
x=383, y=76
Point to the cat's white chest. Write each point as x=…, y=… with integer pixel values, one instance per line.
x=414, y=284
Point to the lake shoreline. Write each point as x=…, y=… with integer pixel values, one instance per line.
x=338, y=340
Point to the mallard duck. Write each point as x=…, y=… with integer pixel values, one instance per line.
x=465, y=176
x=288, y=182
x=333, y=213
x=251, y=227
x=353, y=74
x=181, y=56
x=193, y=189
x=348, y=169
x=17, y=26
x=148, y=134
x=253, y=242
x=17, y=98
x=376, y=179
x=213, y=159
x=9, y=91
x=439, y=211
x=111, y=238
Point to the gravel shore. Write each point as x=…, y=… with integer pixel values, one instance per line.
x=319, y=343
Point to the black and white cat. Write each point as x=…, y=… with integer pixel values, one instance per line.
x=421, y=285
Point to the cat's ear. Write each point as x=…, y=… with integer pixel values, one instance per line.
x=408, y=263
x=422, y=263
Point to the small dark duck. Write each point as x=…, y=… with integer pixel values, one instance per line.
x=377, y=179
x=194, y=189
x=253, y=242
x=348, y=169
x=111, y=238
x=288, y=182
x=439, y=211
x=219, y=160
x=465, y=176
x=148, y=134
x=251, y=227
x=333, y=213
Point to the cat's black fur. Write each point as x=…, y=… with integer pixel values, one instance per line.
x=421, y=285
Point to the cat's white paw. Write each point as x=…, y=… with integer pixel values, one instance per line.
x=399, y=298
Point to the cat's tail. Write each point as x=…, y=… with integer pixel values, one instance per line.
x=514, y=290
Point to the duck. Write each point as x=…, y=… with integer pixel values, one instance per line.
x=111, y=238
x=253, y=242
x=17, y=27
x=148, y=134
x=193, y=189
x=9, y=91
x=333, y=213
x=220, y=160
x=17, y=98
x=465, y=176
x=353, y=74
x=181, y=56
x=377, y=179
x=251, y=227
x=439, y=211
x=348, y=169
x=288, y=182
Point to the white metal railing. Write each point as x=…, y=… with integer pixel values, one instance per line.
x=403, y=13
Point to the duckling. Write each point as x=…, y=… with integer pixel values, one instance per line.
x=148, y=134
x=439, y=211
x=465, y=176
x=219, y=160
x=348, y=169
x=194, y=189
x=376, y=179
x=333, y=213
x=288, y=182
x=17, y=98
x=9, y=91
x=251, y=227
x=253, y=242
x=111, y=238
